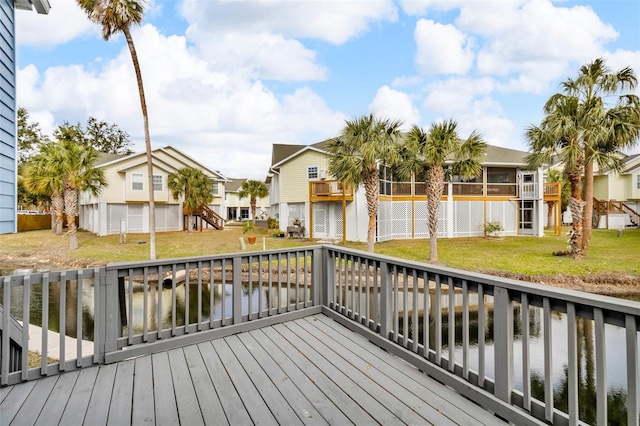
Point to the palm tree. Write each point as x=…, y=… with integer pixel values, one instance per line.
x=80, y=174
x=196, y=188
x=44, y=175
x=427, y=153
x=253, y=189
x=355, y=154
x=604, y=130
x=117, y=16
x=559, y=135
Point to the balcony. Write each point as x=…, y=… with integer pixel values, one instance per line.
x=328, y=190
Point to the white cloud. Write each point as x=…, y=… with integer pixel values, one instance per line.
x=223, y=119
x=442, y=49
x=487, y=117
x=334, y=21
x=456, y=94
x=395, y=105
x=64, y=22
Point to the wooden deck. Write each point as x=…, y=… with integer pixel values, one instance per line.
x=311, y=370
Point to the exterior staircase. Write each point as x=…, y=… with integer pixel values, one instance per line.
x=209, y=216
x=605, y=207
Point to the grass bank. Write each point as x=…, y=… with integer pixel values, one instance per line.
x=610, y=257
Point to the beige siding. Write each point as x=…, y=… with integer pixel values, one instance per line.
x=618, y=185
x=634, y=191
x=600, y=187
x=294, y=176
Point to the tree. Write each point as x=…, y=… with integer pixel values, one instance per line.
x=44, y=175
x=604, y=129
x=79, y=174
x=107, y=137
x=196, y=188
x=364, y=143
x=117, y=16
x=29, y=136
x=253, y=189
x=427, y=153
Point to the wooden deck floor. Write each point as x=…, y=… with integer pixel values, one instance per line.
x=311, y=371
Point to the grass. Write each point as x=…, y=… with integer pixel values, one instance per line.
x=531, y=256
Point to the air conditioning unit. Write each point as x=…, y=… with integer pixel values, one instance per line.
x=323, y=174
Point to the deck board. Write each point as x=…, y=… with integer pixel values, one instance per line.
x=311, y=370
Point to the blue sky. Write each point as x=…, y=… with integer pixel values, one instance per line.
x=225, y=80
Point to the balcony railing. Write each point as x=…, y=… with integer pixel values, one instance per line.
x=475, y=333
x=329, y=188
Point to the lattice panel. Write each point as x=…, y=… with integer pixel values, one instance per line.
x=337, y=208
x=115, y=213
x=383, y=229
x=468, y=218
x=401, y=219
x=506, y=213
x=134, y=223
x=296, y=211
x=421, y=221
x=320, y=219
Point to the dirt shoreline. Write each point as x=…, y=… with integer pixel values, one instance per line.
x=608, y=283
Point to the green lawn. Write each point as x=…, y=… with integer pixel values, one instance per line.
x=516, y=255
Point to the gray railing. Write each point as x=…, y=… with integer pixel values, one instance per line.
x=486, y=337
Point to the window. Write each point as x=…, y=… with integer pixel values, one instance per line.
x=244, y=213
x=501, y=175
x=157, y=182
x=638, y=182
x=215, y=188
x=137, y=182
x=312, y=172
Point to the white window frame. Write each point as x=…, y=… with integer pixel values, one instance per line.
x=637, y=181
x=161, y=183
x=215, y=188
x=313, y=172
x=134, y=181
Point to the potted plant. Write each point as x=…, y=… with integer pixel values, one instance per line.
x=296, y=222
x=248, y=227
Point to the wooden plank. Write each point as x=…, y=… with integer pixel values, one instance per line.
x=256, y=407
x=186, y=400
x=210, y=405
x=449, y=402
x=364, y=362
x=98, y=410
x=14, y=400
x=4, y=392
x=122, y=397
x=28, y=413
x=163, y=392
x=54, y=407
x=278, y=406
x=76, y=408
x=380, y=401
x=232, y=405
x=143, y=410
x=288, y=379
x=330, y=390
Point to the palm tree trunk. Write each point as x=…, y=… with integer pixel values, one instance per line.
x=576, y=205
x=253, y=210
x=57, y=205
x=71, y=210
x=147, y=142
x=587, y=215
x=372, y=193
x=190, y=222
x=435, y=186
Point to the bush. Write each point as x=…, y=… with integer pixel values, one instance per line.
x=493, y=228
x=248, y=226
x=272, y=223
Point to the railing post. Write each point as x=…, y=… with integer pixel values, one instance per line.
x=503, y=341
x=318, y=282
x=111, y=313
x=237, y=290
x=386, y=316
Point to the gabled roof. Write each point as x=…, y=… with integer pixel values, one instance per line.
x=108, y=160
x=497, y=155
x=234, y=184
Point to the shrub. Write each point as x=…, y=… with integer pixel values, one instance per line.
x=493, y=228
x=248, y=226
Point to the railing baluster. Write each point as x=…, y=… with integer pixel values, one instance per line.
x=503, y=343
x=481, y=334
x=62, y=320
x=212, y=292
x=237, y=291
x=359, y=301
x=187, y=304
x=260, y=287
x=249, y=287
x=224, y=292
x=394, y=304
x=79, y=283
x=159, y=310
x=425, y=315
x=377, y=291
x=548, y=364
x=632, y=369
x=385, y=300
x=601, y=366
x=405, y=308
x=572, y=368
x=173, y=300
x=130, y=316
x=199, y=296
x=352, y=285
x=26, y=310
x=45, y=325
x=526, y=363
x=415, y=315
x=451, y=346
x=6, y=342
x=367, y=294
x=145, y=305
x=465, y=330
x=98, y=315
x=438, y=318
x=269, y=283
x=279, y=301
